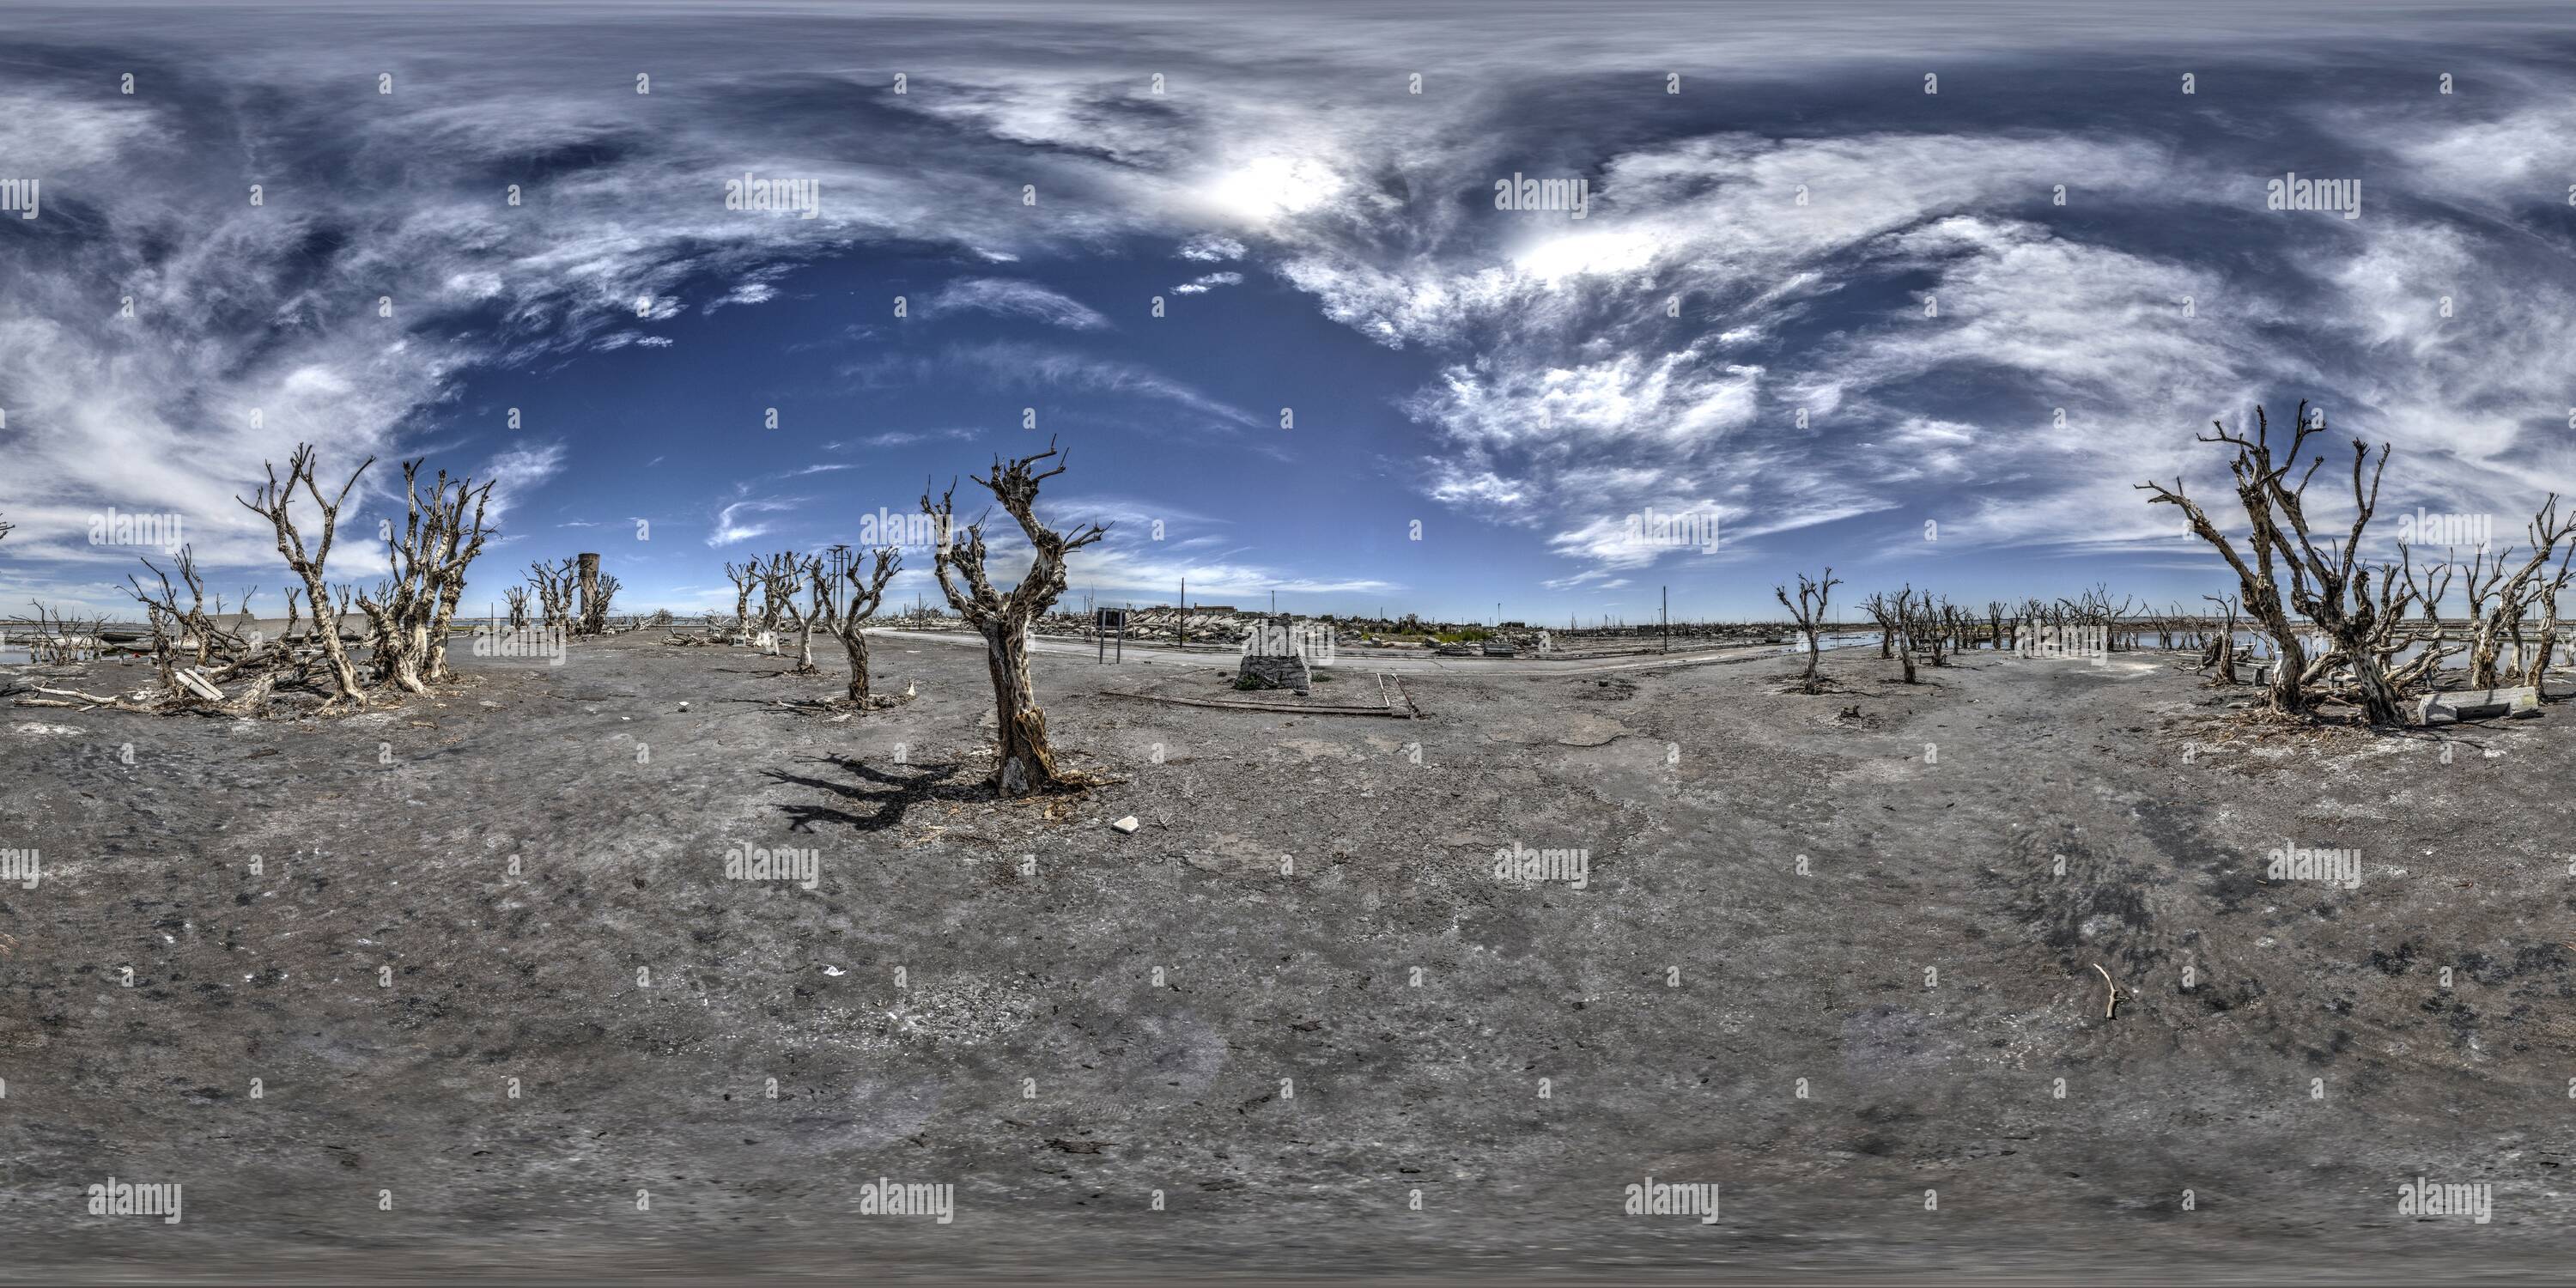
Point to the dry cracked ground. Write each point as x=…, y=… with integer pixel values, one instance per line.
x=1836, y=954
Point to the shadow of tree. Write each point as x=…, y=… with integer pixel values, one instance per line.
x=897, y=797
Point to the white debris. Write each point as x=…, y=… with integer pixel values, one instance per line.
x=1127, y=824
x=834, y=970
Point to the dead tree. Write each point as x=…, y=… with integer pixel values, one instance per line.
x=594, y=617
x=782, y=579
x=409, y=612
x=2327, y=585
x=274, y=501
x=554, y=586
x=1934, y=630
x=1809, y=611
x=2393, y=639
x=517, y=598
x=745, y=579
x=2499, y=599
x=2221, y=652
x=1025, y=762
x=848, y=617
x=1909, y=624
x=2546, y=593
x=1883, y=613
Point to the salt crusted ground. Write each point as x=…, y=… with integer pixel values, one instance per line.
x=1033, y=1058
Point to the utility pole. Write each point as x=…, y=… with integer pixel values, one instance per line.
x=1668, y=619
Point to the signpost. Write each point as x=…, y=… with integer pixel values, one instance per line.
x=1105, y=620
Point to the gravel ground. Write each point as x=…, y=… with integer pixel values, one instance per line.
x=1298, y=1002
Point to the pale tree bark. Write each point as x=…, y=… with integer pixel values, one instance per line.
x=275, y=499
x=779, y=579
x=594, y=616
x=553, y=583
x=411, y=610
x=744, y=579
x=2500, y=597
x=2537, y=665
x=1025, y=761
x=786, y=576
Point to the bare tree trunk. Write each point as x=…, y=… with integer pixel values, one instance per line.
x=1027, y=759
x=854, y=642
x=273, y=503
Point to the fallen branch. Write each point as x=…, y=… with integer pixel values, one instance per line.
x=2110, y=1004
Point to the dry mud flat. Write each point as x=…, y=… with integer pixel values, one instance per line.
x=1288, y=1081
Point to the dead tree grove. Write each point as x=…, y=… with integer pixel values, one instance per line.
x=1024, y=760
x=2501, y=595
x=2329, y=586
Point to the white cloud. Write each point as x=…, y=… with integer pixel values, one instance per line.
x=1009, y=298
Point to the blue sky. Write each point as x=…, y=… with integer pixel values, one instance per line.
x=1893, y=264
